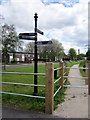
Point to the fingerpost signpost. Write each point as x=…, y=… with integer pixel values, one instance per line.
x=33, y=36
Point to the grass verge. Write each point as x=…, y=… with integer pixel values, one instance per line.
x=81, y=66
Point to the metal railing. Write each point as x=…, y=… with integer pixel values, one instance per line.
x=43, y=74
x=58, y=68
x=76, y=86
x=23, y=73
x=22, y=84
x=77, y=68
x=65, y=79
x=24, y=95
x=50, y=83
x=78, y=77
x=57, y=80
x=57, y=91
x=60, y=77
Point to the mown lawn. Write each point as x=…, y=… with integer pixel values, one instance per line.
x=24, y=102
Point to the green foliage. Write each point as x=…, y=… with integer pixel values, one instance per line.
x=82, y=63
x=9, y=39
x=48, y=52
x=56, y=50
x=80, y=57
x=72, y=53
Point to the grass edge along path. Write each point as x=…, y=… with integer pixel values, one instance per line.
x=30, y=104
x=83, y=62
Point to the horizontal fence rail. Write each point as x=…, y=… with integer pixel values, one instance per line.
x=76, y=86
x=57, y=80
x=57, y=68
x=65, y=73
x=24, y=95
x=23, y=73
x=76, y=68
x=22, y=84
x=57, y=91
x=76, y=77
x=64, y=81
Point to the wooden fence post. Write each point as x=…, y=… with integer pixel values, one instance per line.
x=61, y=75
x=49, y=88
x=86, y=80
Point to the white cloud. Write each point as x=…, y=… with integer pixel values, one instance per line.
x=68, y=25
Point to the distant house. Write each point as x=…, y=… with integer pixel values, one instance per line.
x=20, y=58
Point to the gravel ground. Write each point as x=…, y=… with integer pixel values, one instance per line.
x=76, y=101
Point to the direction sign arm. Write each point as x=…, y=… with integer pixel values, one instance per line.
x=26, y=37
x=27, y=34
x=40, y=32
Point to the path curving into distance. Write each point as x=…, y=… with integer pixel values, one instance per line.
x=76, y=99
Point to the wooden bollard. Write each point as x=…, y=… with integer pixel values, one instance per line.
x=61, y=75
x=49, y=88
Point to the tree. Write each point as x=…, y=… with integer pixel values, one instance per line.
x=10, y=40
x=72, y=53
x=52, y=52
x=56, y=50
x=47, y=52
x=80, y=56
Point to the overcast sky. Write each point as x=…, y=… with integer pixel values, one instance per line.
x=69, y=25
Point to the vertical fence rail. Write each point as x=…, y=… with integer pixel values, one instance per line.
x=49, y=88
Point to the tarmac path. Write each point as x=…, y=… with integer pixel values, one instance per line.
x=76, y=99
x=75, y=105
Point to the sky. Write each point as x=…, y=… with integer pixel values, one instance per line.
x=68, y=25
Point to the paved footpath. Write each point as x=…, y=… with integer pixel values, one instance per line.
x=76, y=101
